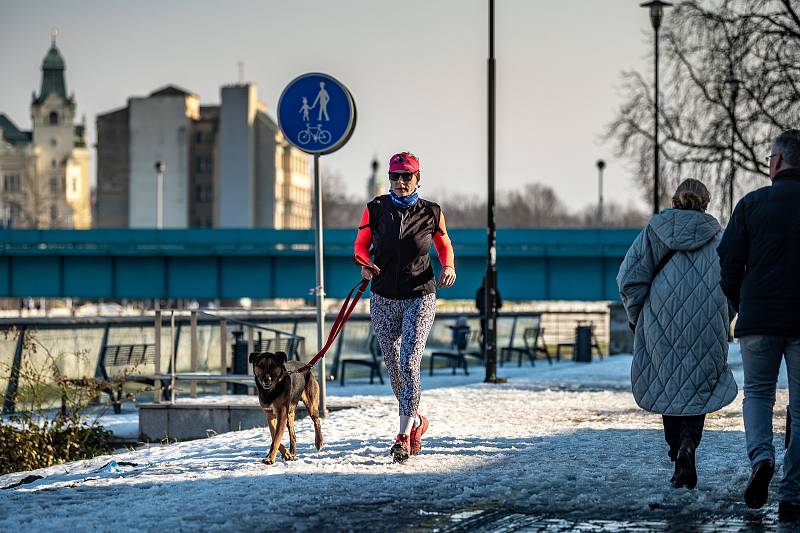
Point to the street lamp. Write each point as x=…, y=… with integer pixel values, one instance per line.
x=656, y=14
x=490, y=285
x=600, y=166
x=733, y=85
x=160, y=167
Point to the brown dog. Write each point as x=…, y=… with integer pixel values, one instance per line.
x=278, y=394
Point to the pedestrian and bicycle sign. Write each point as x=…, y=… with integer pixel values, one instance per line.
x=316, y=113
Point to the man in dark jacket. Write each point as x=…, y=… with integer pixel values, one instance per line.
x=760, y=268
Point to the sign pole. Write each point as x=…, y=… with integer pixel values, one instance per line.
x=320, y=290
x=317, y=114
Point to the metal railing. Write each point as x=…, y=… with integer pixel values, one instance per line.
x=93, y=334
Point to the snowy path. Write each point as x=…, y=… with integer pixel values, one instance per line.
x=565, y=441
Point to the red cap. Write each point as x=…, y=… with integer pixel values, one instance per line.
x=404, y=162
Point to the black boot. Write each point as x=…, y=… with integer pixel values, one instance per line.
x=789, y=511
x=685, y=464
x=676, y=478
x=755, y=495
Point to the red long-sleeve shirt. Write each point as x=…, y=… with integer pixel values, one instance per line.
x=401, y=249
x=441, y=241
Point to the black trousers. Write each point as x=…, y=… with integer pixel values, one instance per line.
x=678, y=428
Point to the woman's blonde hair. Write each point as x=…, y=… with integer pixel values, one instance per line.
x=692, y=194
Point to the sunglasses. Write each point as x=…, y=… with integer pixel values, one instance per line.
x=405, y=176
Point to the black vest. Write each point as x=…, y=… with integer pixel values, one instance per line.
x=401, y=242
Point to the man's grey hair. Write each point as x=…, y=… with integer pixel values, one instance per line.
x=788, y=145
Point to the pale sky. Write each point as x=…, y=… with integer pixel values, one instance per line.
x=416, y=68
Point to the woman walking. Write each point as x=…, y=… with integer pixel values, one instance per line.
x=398, y=229
x=669, y=282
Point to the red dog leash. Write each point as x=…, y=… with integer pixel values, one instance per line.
x=338, y=324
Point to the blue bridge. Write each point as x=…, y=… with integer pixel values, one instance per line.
x=207, y=264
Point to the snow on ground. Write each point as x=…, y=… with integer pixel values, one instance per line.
x=565, y=441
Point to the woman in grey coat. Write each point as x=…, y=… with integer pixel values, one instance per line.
x=669, y=283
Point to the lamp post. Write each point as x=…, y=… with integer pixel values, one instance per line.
x=490, y=286
x=160, y=167
x=600, y=166
x=733, y=85
x=656, y=8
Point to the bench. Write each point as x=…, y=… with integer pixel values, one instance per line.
x=371, y=359
x=532, y=347
x=116, y=363
x=466, y=343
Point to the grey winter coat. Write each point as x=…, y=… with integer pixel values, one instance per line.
x=681, y=317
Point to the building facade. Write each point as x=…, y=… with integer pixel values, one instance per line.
x=45, y=171
x=226, y=165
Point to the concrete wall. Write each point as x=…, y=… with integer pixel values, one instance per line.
x=113, y=168
x=160, y=130
x=237, y=159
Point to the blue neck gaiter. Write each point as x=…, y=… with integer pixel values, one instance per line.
x=404, y=202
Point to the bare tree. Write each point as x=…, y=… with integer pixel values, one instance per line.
x=536, y=205
x=339, y=210
x=29, y=201
x=614, y=216
x=756, y=40
x=464, y=211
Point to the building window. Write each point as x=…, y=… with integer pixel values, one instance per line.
x=53, y=163
x=11, y=183
x=54, y=185
x=198, y=137
x=199, y=165
x=53, y=214
x=53, y=142
x=209, y=165
x=14, y=212
x=203, y=193
x=53, y=119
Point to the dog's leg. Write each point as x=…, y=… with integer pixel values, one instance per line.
x=276, y=440
x=310, y=398
x=292, y=438
x=271, y=423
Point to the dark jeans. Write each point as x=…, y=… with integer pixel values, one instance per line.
x=678, y=428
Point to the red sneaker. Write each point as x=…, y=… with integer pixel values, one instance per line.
x=400, y=450
x=416, y=435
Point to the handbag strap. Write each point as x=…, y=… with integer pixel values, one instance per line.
x=664, y=260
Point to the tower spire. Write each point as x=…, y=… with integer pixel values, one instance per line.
x=53, y=36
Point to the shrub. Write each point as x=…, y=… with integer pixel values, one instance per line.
x=27, y=443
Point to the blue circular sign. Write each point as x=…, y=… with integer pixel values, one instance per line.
x=316, y=113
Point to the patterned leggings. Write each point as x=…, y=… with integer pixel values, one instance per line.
x=402, y=328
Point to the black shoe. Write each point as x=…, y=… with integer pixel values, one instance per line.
x=789, y=511
x=685, y=467
x=757, y=491
x=676, y=479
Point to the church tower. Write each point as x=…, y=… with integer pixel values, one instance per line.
x=60, y=195
x=375, y=185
